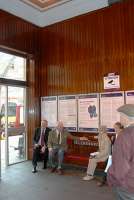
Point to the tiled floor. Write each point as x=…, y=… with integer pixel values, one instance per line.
x=18, y=183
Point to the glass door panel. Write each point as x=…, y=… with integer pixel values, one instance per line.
x=16, y=125
x=3, y=95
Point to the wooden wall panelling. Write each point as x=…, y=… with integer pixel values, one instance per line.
x=77, y=53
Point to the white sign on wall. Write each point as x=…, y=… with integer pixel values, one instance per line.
x=111, y=81
x=129, y=97
x=109, y=103
x=67, y=111
x=88, y=112
x=49, y=110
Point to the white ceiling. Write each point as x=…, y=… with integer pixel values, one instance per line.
x=52, y=15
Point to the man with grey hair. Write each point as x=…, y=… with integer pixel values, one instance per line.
x=57, y=144
x=121, y=172
x=104, y=151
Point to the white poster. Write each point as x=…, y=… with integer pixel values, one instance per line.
x=67, y=111
x=49, y=110
x=109, y=103
x=111, y=81
x=88, y=112
x=129, y=97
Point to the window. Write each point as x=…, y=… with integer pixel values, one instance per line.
x=12, y=67
x=11, y=109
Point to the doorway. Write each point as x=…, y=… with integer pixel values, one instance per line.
x=12, y=125
x=12, y=110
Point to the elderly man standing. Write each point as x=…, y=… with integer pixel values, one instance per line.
x=100, y=156
x=121, y=172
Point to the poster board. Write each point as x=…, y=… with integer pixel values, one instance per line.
x=49, y=110
x=129, y=97
x=88, y=112
x=67, y=111
x=109, y=103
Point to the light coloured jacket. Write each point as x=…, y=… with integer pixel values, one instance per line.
x=53, y=139
x=104, y=146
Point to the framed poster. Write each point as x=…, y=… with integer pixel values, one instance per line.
x=88, y=112
x=129, y=96
x=67, y=111
x=49, y=110
x=109, y=103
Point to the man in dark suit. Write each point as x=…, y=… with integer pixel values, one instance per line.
x=40, y=145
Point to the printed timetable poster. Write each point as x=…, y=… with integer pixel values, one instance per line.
x=67, y=111
x=49, y=110
x=88, y=112
x=129, y=97
x=109, y=103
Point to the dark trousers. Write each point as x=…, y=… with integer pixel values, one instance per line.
x=38, y=156
x=104, y=178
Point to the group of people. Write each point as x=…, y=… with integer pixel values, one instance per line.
x=47, y=142
x=51, y=144
x=119, y=173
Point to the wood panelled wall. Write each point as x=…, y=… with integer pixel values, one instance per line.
x=72, y=57
x=77, y=53
x=17, y=34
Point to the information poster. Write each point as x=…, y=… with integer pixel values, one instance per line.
x=129, y=97
x=49, y=110
x=109, y=103
x=88, y=113
x=67, y=111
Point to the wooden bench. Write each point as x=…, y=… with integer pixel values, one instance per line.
x=79, y=151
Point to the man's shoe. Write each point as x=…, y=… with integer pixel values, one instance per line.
x=53, y=170
x=88, y=178
x=60, y=171
x=44, y=167
x=34, y=170
x=100, y=184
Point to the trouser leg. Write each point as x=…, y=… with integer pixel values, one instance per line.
x=52, y=154
x=45, y=157
x=60, y=158
x=105, y=177
x=122, y=194
x=91, y=166
x=36, y=154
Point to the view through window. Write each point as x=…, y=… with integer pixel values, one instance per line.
x=12, y=67
x=12, y=109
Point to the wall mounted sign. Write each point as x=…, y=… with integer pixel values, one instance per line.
x=49, y=110
x=88, y=112
x=67, y=111
x=129, y=96
x=111, y=81
x=109, y=103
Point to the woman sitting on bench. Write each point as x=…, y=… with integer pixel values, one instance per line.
x=100, y=156
x=118, y=130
